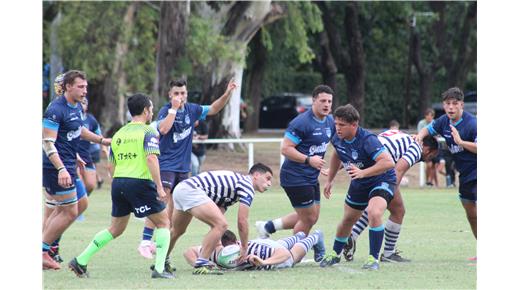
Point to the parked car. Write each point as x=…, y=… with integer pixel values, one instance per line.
x=278, y=110
x=470, y=105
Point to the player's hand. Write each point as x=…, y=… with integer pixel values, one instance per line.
x=255, y=260
x=231, y=86
x=327, y=191
x=106, y=142
x=80, y=162
x=243, y=255
x=455, y=134
x=176, y=102
x=317, y=162
x=161, y=195
x=415, y=137
x=355, y=172
x=324, y=171
x=64, y=179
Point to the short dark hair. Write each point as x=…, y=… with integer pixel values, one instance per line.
x=393, y=123
x=430, y=142
x=322, y=89
x=347, y=113
x=228, y=238
x=453, y=93
x=429, y=111
x=137, y=103
x=70, y=76
x=260, y=167
x=178, y=83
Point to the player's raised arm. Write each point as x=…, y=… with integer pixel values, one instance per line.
x=219, y=103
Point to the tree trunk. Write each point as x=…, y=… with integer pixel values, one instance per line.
x=328, y=67
x=466, y=53
x=116, y=84
x=256, y=78
x=355, y=72
x=173, y=26
x=56, y=62
x=425, y=74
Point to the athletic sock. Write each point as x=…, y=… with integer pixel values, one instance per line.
x=56, y=243
x=45, y=247
x=147, y=234
x=162, y=242
x=375, y=236
x=289, y=242
x=201, y=262
x=273, y=225
x=308, y=242
x=392, y=231
x=100, y=240
x=339, y=243
x=360, y=225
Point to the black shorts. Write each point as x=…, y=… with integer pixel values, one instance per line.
x=303, y=196
x=170, y=179
x=134, y=195
x=358, y=196
x=468, y=191
x=50, y=181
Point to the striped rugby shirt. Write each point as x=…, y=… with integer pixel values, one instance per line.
x=401, y=145
x=224, y=187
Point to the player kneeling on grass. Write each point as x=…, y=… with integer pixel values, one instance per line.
x=136, y=186
x=263, y=254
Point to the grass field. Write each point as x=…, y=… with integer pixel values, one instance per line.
x=435, y=236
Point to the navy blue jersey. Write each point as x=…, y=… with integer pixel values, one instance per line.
x=175, y=146
x=65, y=119
x=465, y=161
x=94, y=127
x=362, y=152
x=90, y=123
x=311, y=137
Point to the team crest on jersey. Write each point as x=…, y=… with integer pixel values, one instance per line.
x=328, y=131
x=354, y=154
x=187, y=119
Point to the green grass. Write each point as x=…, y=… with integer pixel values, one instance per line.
x=435, y=236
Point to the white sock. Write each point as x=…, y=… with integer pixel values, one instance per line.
x=392, y=231
x=278, y=225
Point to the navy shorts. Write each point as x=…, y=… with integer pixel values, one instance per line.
x=50, y=181
x=134, y=195
x=303, y=196
x=468, y=191
x=170, y=179
x=358, y=195
x=95, y=156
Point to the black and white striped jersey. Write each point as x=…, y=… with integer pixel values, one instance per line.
x=224, y=187
x=401, y=145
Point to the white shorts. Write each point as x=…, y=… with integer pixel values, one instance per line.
x=186, y=197
x=289, y=263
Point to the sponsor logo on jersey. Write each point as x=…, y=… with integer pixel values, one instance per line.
x=187, y=119
x=328, y=131
x=354, y=154
x=455, y=149
x=182, y=135
x=318, y=149
x=74, y=134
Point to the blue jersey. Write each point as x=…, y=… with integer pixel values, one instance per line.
x=311, y=137
x=175, y=146
x=65, y=119
x=362, y=152
x=93, y=126
x=90, y=123
x=465, y=161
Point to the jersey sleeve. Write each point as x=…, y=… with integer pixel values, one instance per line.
x=203, y=113
x=373, y=147
x=436, y=125
x=246, y=193
x=473, y=131
x=294, y=133
x=413, y=154
x=52, y=118
x=151, y=143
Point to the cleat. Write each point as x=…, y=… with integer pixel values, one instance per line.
x=394, y=258
x=167, y=266
x=371, y=264
x=349, y=249
x=163, y=275
x=330, y=259
x=79, y=270
x=319, y=248
x=206, y=270
x=55, y=254
x=48, y=263
x=146, y=249
x=260, y=229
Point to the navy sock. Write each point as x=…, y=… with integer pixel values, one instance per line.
x=339, y=243
x=56, y=242
x=147, y=234
x=269, y=227
x=376, y=236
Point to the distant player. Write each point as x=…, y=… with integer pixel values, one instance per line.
x=136, y=187
x=373, y=180
x=405, y=152
x=304, y=146
x=62, y=128
x=207, y=196
x=459, y=129
x=175, y=123
x=266, y=254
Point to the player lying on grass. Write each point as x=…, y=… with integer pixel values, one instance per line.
x=264, y=254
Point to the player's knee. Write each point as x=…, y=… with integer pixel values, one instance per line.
x=375, y=216
x=221, y=226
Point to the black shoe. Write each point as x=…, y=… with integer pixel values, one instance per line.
x=100, y=183
x=395, y=258
x=349, y=249
x=80, y=271
x=163, y=275
x=55, y=254
x=167, y=267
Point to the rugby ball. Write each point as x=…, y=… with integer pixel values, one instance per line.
x=228, y=257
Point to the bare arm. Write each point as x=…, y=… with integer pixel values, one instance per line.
x=280, y=255
x=243, y=228
x=166, y=124
x=383, y=163
x=400, y=169
x=421, y=134
x=49, y=137
x=335, y=164
x=153, y=164
x=289, y=151
x=86, y=134
x=467, y=145
x=219, y=103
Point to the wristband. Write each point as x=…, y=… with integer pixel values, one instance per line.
x=172, y=111
x=101, y=140
x=61, y=168
x=307, y=160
